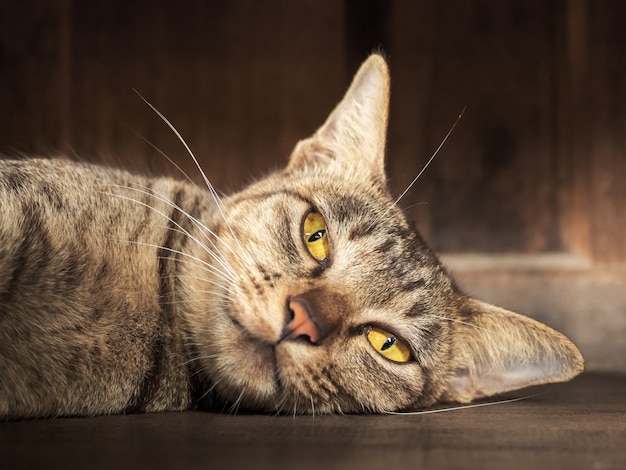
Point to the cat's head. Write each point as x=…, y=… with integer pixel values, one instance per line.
x=328, y=300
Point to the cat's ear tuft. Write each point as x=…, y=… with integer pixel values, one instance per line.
x=496, y=351
x=354, y=134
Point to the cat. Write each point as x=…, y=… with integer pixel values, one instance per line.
x=307, y=292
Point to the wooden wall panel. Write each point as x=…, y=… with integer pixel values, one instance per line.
x=491, y=189
x=592, y=122
x=607, y=124
x=573, y=135
x=240, y=80
x=32, y=75
x=233, y=77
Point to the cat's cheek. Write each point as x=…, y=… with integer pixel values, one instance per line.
x=244, y=368
x=261, y=318
x=292, y=355
x=386, y=386
x=231, y=362
x=298, y=364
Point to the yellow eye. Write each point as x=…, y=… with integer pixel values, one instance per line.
x=315, y=237
x=388, y=345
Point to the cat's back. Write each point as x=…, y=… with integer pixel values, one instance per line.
x=82, y=280
x=60, y=217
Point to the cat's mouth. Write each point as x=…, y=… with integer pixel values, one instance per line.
x=259, y=378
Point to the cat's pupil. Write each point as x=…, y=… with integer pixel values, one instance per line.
x=316, y=236
x=390, y=342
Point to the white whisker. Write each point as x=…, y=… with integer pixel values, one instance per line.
x=456, y=320
x=447, y=136
x=227, y=271
x=234, y=409
x=218, y=297
x=194, y=261
x=208, y=281
x=208, y=391
x=216, y=198
x=199, y=358
x=217, y=258
x=461, y=407
x=203, y=228
x=431, y=158
x=163, y=154
x=416, y=205
x=171, y=250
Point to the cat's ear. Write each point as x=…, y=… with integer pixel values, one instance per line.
x=354, y=134
x=496, y=350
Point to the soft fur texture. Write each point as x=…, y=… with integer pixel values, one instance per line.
x=120, y=293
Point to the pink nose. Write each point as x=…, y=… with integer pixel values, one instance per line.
x=302, y=324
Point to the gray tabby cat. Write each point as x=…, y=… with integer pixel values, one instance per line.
x=307, y=292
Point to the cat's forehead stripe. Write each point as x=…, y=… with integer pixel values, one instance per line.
x=289, y=247
x=414, y=285
x=262, y=196
x=417, y=309
x=361, y=231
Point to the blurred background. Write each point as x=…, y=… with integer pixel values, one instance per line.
x=526, y=200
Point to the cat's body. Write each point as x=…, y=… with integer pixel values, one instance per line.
x=122, y=293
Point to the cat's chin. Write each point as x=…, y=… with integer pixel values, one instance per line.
x=268, y=377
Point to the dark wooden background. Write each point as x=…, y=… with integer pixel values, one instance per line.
x=526, y=200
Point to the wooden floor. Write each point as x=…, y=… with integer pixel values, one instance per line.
x=578, y=425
